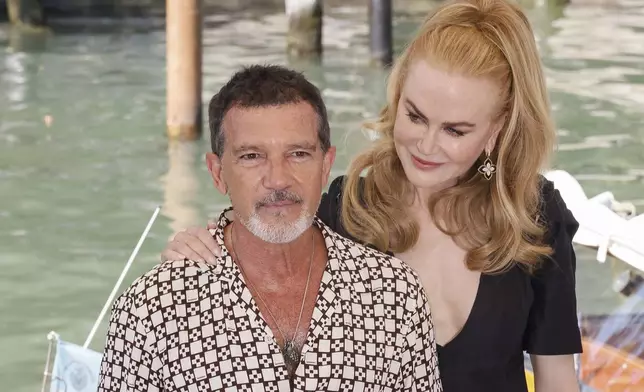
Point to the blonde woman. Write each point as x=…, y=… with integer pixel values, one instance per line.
x=452, y=187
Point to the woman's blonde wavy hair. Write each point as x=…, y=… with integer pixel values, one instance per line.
x=496, y=221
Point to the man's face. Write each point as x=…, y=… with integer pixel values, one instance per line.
x=272, y=168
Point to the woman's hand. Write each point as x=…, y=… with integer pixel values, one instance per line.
x=194, y=243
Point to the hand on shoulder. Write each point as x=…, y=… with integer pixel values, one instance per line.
x=195, y=243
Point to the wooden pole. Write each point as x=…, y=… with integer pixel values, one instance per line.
x=183, y=72
x=380, y=32
x=304, y=37
x=26, y=13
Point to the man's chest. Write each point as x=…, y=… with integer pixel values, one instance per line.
x=215, y=345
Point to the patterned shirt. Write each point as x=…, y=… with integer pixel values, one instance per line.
x=189, y=326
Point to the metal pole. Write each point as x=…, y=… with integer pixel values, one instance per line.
x=380, y=32
x=114, y=292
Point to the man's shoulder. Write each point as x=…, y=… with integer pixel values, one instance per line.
x=372, y=265
x=163, y=278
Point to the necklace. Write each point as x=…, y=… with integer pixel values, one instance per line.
x=290, y=350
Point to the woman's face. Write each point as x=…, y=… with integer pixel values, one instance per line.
x=445, y=121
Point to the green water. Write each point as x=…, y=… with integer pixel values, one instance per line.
x=76, y=195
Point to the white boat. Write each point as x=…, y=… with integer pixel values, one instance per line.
x=604, y=223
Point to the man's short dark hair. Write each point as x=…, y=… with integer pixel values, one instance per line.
x=260, y=86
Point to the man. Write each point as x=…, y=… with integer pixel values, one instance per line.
x=290, y=305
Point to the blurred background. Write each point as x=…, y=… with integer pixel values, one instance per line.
x=87, y=153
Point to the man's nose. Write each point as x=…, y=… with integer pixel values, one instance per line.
x=278, y=174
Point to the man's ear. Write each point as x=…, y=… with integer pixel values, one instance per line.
x=215, y=168
x=329, y=158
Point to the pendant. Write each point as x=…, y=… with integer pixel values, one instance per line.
x=291, y=352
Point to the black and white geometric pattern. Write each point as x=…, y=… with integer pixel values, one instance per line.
x=189, y=326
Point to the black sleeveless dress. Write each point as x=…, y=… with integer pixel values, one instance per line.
x=513, y=312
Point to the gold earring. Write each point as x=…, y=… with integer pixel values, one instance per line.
x=487, y=169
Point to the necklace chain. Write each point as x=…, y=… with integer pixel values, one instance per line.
x=288, y=345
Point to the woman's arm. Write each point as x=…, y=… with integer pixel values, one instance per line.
x=554, y=373
x=552, y=336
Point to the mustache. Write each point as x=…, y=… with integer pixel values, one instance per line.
x=277, y=196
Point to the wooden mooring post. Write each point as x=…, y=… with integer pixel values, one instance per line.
x=380, y=32
x=183, y=69
x=27, y=13
x=304, y=37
